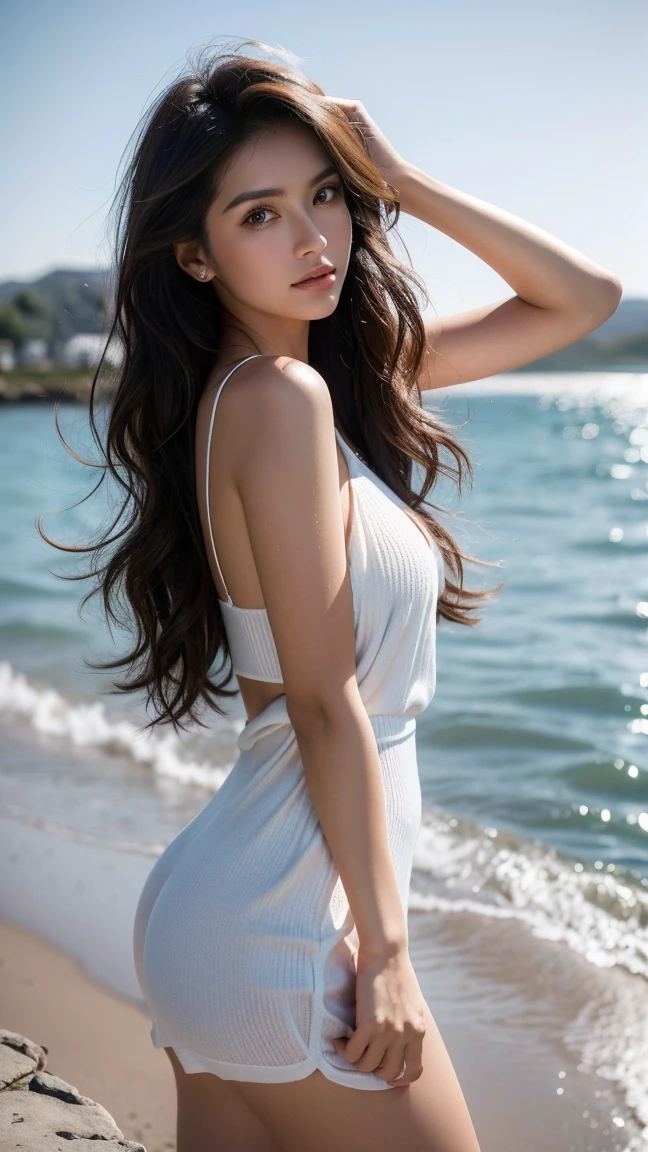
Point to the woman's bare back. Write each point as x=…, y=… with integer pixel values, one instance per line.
x=227, y=515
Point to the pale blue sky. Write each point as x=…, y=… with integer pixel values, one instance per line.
x=538, y=108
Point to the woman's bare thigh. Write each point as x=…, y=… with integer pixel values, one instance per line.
x=212, y=1117
x=429, y=1115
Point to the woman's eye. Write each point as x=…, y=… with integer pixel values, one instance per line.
x=329, y=188
x=249, y=219
x=256, y=212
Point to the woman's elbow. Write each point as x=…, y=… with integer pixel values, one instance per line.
x=319, y=708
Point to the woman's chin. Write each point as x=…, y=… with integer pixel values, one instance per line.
x=317, y=306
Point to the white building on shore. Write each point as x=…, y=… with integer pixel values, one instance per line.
x=84, y=351
x=7, y=356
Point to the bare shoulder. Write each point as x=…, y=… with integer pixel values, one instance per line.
x=280, y=398
x=282, y=381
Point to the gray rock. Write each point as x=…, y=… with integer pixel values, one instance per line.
x=49, y=1085
x=40, y=1112
x=18, y=1057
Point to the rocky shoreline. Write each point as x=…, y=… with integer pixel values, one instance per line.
x=38, y=1111
x=67, y=388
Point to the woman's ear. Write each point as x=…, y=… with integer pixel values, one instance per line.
x=192, y=260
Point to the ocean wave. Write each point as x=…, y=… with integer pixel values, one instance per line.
x=610, y=1035
x=33, y=820
x=16, y=634
x=595, y=698
x=602, y=914
x=88, y=725
x=458, y=732
x=33, y=587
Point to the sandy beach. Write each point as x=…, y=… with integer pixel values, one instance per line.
x=470, y=174
x=529, y=899
x=97, y=1041
x=100, y=1043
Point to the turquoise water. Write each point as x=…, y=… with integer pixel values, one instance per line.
x=532, y=754
x=542, y=710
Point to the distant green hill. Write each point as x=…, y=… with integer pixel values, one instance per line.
x=620, y=344
x=67, y=301
x=56, y=306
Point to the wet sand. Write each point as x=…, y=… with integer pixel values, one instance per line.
x=505, y=1045
x=96, y=1041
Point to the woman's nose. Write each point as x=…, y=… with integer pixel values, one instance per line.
x=309, y=238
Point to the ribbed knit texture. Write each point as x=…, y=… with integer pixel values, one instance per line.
x=252, y=648
x=244, y=941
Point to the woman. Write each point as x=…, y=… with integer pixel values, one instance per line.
x=265, y=421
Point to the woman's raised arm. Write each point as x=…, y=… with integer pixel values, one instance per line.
x=561, y=294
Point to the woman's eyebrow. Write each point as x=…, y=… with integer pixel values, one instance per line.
x=255, y=194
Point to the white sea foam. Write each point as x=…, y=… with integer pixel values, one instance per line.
x=596, y=386
x=47, y=711
x=610, y=1034
x=131, y=847
x=601, y=916
x=459, y=867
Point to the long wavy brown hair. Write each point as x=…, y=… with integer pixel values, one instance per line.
x=150, y=563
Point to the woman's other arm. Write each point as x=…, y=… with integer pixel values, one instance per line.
x=287, y=476
x=289, y=486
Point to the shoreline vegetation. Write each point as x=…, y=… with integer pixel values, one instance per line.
x=52, y=330
x=72, y=385
x=67, y=385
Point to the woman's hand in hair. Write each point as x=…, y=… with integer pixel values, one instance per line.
x=384, y=155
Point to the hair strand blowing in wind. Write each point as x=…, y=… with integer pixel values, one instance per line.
x=150, y=564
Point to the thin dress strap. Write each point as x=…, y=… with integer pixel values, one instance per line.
x=209, y=439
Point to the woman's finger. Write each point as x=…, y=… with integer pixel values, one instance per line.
x=393, y=1061
x=374, y=1054
x=413, y=1060
x=353, y=1046
x=343, y=101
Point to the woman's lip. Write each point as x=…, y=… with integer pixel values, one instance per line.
x=315, y=283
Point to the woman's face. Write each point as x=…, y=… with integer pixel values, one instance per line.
x=262, y=242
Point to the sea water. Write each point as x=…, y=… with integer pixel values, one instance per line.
x=532, y=754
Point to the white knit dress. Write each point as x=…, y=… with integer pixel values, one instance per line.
x=244, y=942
